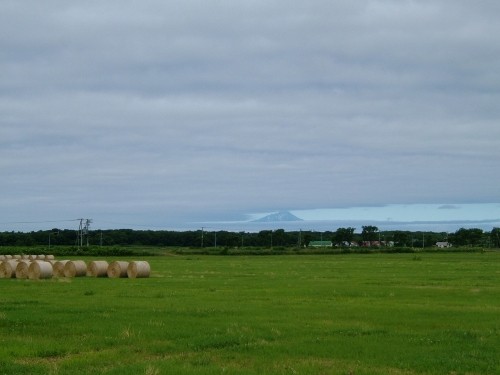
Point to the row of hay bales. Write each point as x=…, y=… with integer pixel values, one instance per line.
x=42, y=269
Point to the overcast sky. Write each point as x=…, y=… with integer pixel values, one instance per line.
x=161, y=113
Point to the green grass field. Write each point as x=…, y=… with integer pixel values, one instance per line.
x=322, y=314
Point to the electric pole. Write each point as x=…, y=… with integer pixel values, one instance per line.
x=83, y=230
x=87, y=225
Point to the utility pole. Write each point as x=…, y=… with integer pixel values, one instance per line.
x=202, y=237
x=51, y=233
x=87, y=225
x=80, y=234
x=83, y=230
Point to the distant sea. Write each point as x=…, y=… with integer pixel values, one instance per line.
x=409, y=217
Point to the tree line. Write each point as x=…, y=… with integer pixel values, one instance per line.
x=344, y=237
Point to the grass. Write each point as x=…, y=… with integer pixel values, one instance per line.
x=322, y=314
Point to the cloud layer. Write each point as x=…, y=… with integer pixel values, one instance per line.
x=161, y=112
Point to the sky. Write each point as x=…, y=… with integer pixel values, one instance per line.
x=162, y=114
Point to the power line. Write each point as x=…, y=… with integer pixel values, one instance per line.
x=131, y=224
x=38, y=222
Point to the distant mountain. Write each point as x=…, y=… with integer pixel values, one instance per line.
x=278, y=217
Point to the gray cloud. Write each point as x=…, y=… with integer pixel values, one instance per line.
x=192, y=110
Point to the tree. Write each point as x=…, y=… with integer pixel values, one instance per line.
x=467, y=237
x=308, y=237
x=495, y=237
x=279, y=237
x=343, y=235
x=265, y=238
x=401, y=238
x=369, y=233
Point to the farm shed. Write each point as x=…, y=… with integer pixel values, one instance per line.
x=320, y=244
x=443, y=244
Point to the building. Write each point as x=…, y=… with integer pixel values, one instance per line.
x=443, y=244
x=320, y=244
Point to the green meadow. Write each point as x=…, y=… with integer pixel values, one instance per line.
x=294, y=314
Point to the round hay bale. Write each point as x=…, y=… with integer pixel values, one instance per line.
x=75, y=268
x=32, y=257
x=117, y=269
x=18, y=257
x=40, y=257
x=22, y=269
x=138, y=268
x=8, y=256
x=8, y=269
x=58, y=268
x=24, y=256
x=49, y=257
x=39, y=270
x=98, y=268
x=2, y=257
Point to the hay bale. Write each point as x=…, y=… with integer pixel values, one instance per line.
x=75, y=268
x=8, y=257
x=40, y=270
x=32, y=257
x=8, y=269
x=17, y=256
x=58, y=268
x=22, y=269
x=49, y=257
x=2, y=257
x=40, y=257
x=117, y=269
x=98, y=268
x=138, y=268
x=24, y=256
